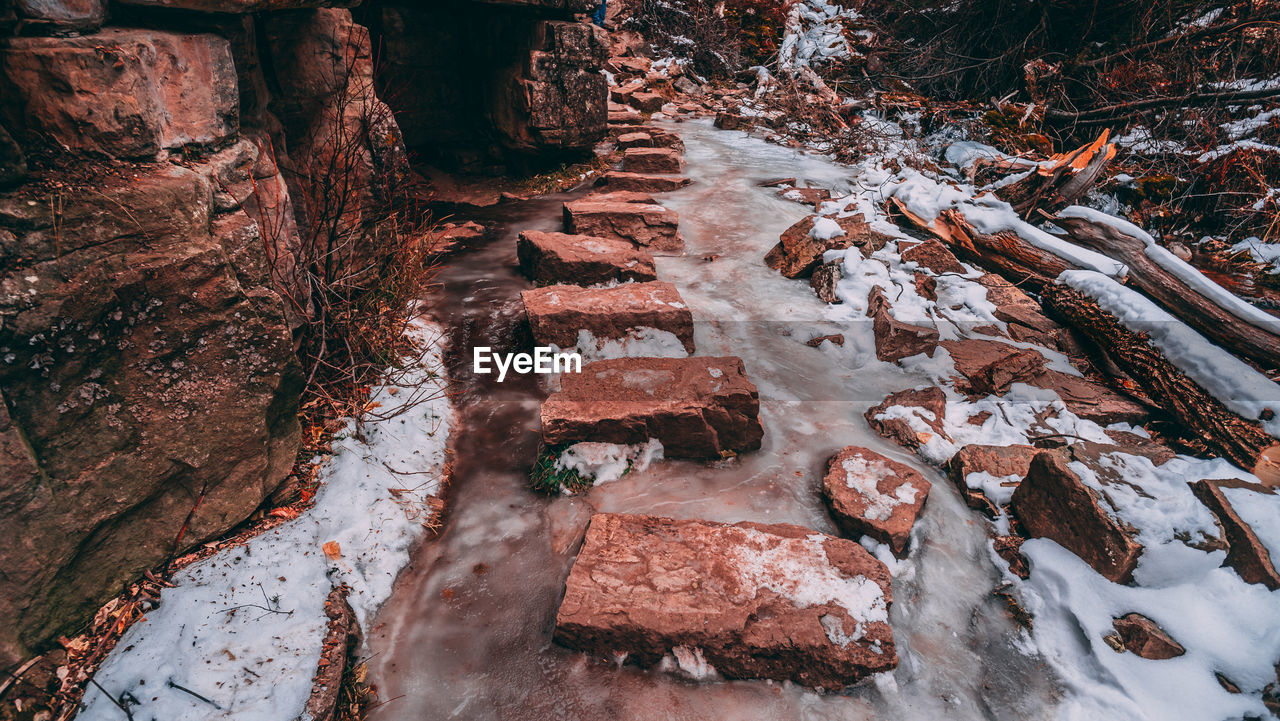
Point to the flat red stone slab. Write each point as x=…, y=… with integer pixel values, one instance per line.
x=644, y=183
x=547, y=258
x=651, y=160
x=754, y=601
x=697, y=407
x=558, y=312
x=644, y=224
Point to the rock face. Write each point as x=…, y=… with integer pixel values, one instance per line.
x=1144, y=637
x=1246, y=553
x=698, y=407
x=751, y=600
x=996, y=462
x=876, y=496
x=547, y=258
x=124, y=92
x=651, y=160
x=1052, y=502
x=558, y=312
x=800, y=247
x=62, y=15
x=651, y=226
x=644, y=183
x=143, y=381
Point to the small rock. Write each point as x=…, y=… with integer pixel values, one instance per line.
x=895, y=339
x=929, y=406
x=835, y=338
x=998, y=461
x=1247, y=554
x=1143, y=637
x=876, y=496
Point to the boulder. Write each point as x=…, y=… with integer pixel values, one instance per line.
x=875, y=496
x=928, y=405
x=650, y=226
x=1143, y=637
x=1054, y=503
x=148, y=387
x=895, y=339
x=996, y=462
x=122, y=91
x=730, y=121
x=697, y=407
x=58, y=16
x=800, y=247
x=751, y=600
x=549, y=258
x=651, y=160
x=642, y=182
x=558, y=312
x=1246, y=553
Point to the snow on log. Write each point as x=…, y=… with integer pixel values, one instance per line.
x=1213, y=393
x=1177, y=286
x=1060, y=180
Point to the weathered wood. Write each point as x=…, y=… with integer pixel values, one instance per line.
x=1212, y=320
x=1005, y=252
x=1060, y=181
x=1239, y=440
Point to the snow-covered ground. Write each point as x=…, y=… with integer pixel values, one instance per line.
x=244, y=628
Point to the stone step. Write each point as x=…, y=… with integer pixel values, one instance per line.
x=558, y=312
x=642, y=182
x=697, y=407
x=651, y=160
x=751, y=600
x=648, y=225
x=550, y=258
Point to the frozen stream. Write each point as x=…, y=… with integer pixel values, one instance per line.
x=467, y=633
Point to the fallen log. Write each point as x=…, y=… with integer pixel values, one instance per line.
x=1061, y=180
x=1257, y=339
x=1004, y=252
x=1240, y=440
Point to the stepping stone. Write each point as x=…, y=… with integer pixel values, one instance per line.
x=647, y=102
x=751, y=600
x=625, y=116
x=649, y=225
x=663, y=138
x=558, y=312
x=651, y=160
x=643, y=183
x=550, y=258
x=621, y=196
x=875, y=496
x=697, y=407
x=635, y=140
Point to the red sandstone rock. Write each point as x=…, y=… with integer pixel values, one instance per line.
x=62, y=15
x=651, y=160
x=647, y=102
x=929, y=404
x=643, y=183
x=1052, y=502
x=876, y=496
x=697, y=407
x=990, y=367
x=835, y=338
x=548, y=258
x=1144, y=637
x=1014, y=460
x=150, y=90
x=663, y=138
x=624, y=116
x=621, y=196
x=752, y=600
x=798, y=252
x=651, y=226
x=558, y=312
x=933, y=255
x=1246, y=553
x=730, y=121
x=895, y=339
x=635, y=140
x=806, y=196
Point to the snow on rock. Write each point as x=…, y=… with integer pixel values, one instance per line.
x=604, y=462
x=1241, y=388
x=244, y=627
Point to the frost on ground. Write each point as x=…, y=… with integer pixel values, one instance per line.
x=604, y=462
x=244, y=628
